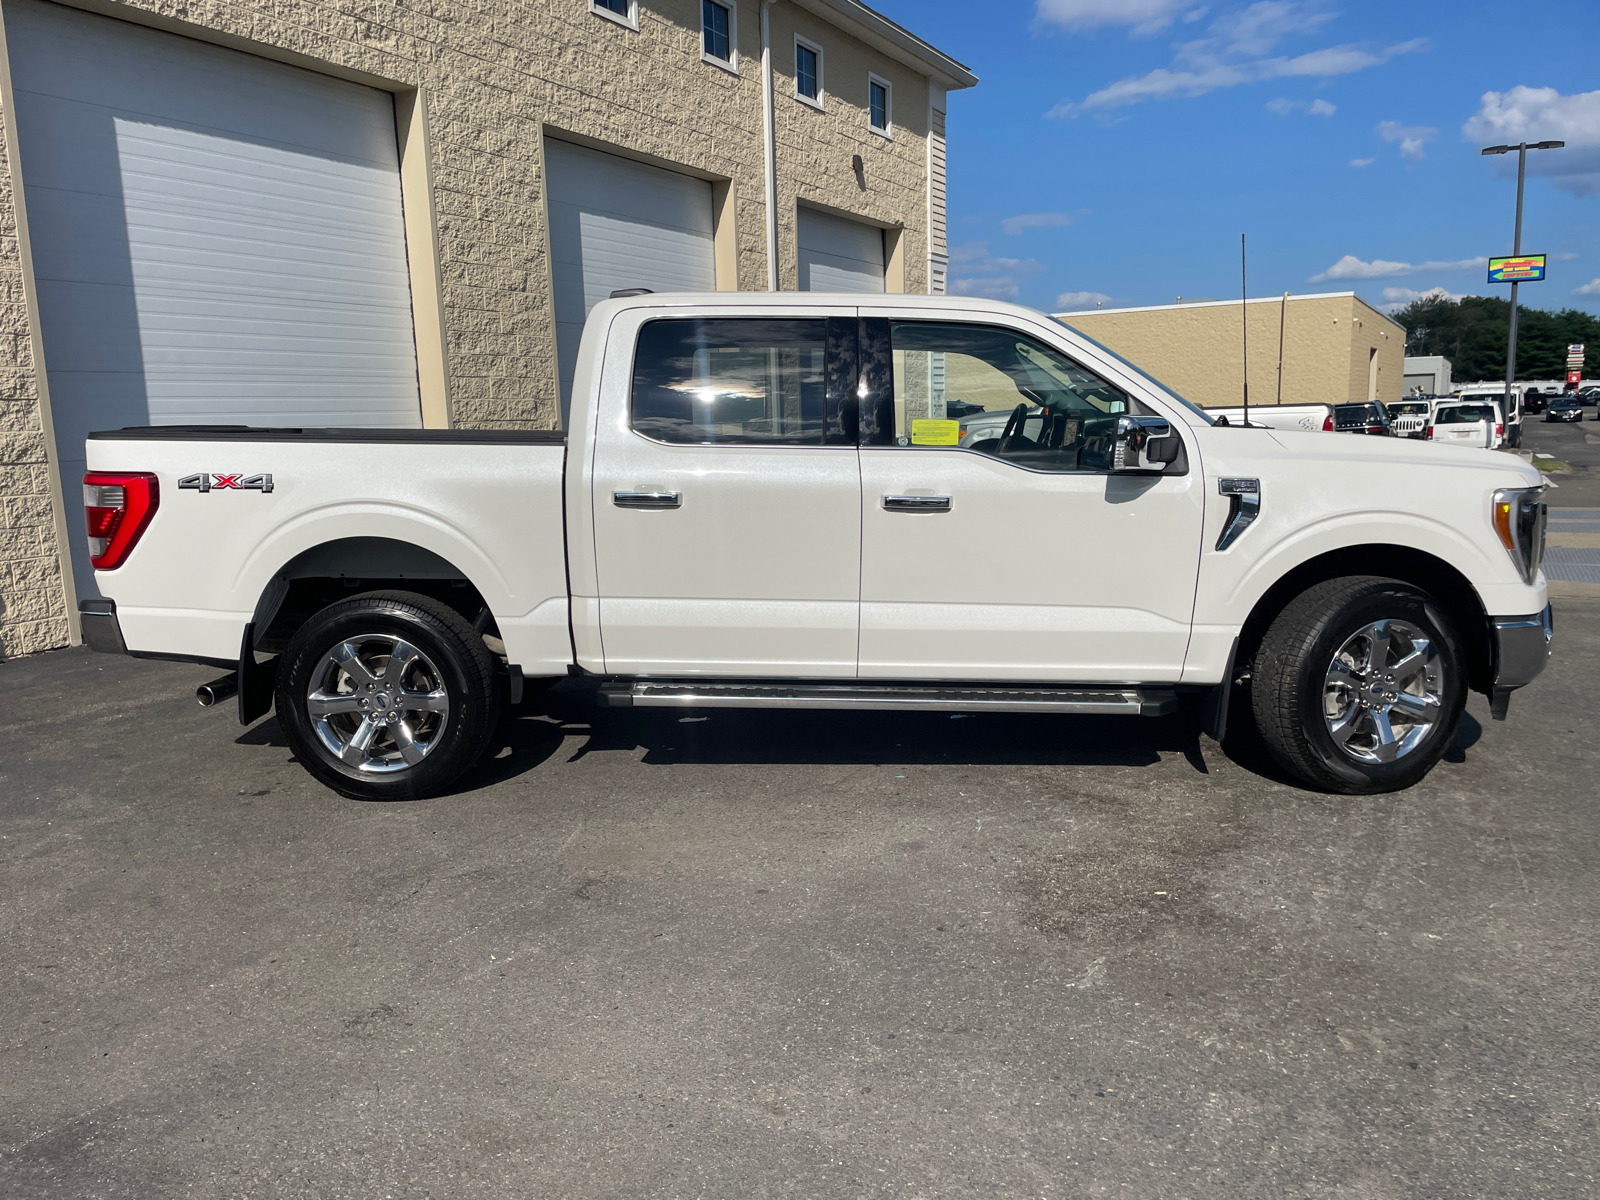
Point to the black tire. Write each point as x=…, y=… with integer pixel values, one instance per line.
x=451, y=658
x=1290, y=675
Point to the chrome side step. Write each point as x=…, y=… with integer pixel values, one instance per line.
x=680, y=693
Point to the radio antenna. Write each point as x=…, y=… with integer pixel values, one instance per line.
x=1244, y=328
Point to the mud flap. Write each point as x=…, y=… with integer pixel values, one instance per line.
x=256, y=680
x=1214, y=711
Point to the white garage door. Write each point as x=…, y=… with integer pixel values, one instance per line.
x=616, y=223
x=837, y=255
x=217, y=239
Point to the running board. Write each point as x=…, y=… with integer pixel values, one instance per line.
x=678, y=693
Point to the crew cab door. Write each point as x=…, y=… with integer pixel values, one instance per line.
x=1020, y=557
x=727, y=498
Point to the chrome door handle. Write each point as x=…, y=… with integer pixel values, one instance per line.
x=647, y=499
x=917, y=503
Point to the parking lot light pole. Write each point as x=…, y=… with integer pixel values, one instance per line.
x=1514, y=437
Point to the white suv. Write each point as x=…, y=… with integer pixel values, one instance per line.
x=1475, y=423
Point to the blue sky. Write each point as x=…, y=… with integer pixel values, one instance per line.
x=1114, y=150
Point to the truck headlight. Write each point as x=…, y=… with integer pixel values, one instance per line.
x=1519, y=519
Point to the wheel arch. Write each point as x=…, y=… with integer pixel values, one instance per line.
x=350, y=566
x=1428, y=572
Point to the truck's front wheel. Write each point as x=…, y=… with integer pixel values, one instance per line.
x=387, y=696
x=1358, y=685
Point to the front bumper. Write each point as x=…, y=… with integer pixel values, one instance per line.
x=1521, y=650
x=101, y=629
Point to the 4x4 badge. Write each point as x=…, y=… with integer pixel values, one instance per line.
x=205, y=482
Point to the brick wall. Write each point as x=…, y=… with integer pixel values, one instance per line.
x=33, y=611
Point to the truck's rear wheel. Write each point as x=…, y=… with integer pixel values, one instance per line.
x=387, y=696
x=1359, y=685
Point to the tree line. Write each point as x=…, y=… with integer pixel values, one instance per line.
x=1472, y=333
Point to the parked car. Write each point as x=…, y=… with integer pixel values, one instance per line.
x=1467, y=423
x=745, y=513
x=1370, y=417
x=1309, y=417
x=1409, y=418
x=1565, y=408
x=1535, y=401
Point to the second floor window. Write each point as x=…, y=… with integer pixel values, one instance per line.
x=878, y=103
x=714, y=20
x=807, y=77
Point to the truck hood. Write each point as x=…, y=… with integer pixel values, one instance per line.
x=1405, y=453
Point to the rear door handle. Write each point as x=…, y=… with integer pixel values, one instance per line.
x=647, y=499
x=917, y=503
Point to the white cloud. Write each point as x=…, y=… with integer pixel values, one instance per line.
x=1592, y=288
x=1397, y=298
x=1027, y=221
x=1076, y=300
x=1351, y=267
x=976, y=272
x=1142, y=16
x=1412, y=138
x=1401, y=296
x=1317, y=108
x=1208, y=71
x=1361, y=162
x=1526, y=114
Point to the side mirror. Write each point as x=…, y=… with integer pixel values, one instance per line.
x=1134, y=449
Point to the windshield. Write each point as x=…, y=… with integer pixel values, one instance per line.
x=1403, y=409
x=1464, y=414
x=1140, y=372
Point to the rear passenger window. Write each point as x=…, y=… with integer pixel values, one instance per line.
x=730, y=381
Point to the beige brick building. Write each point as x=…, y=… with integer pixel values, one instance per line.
x=1336, y=348
x=336, y=212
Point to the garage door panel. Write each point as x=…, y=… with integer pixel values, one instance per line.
x=73, y=55
x=838, y=255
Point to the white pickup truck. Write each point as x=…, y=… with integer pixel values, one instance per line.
x=762, y=501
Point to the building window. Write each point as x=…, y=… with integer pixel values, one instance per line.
x=880, y=105
x=808, y=71
x=718, y=34
x=623, y=12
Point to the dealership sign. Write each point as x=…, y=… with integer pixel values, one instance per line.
x=1519, y=268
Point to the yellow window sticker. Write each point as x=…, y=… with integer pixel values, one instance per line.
x=926, y=432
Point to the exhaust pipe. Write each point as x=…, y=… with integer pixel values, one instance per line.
x=217, y=690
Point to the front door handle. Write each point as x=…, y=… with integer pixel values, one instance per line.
x=917, y=503
x=647, y=499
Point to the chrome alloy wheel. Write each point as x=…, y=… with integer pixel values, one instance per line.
x=377, y=703
x=1383, y=692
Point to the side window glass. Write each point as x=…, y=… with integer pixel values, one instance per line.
x=1000, y=392
x=730, y=381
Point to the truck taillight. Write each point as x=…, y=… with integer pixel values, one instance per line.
x=1327, y=423
x=1428, y=433
x=117, y=507
x=1499, y=431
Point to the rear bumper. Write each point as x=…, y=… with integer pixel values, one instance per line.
x=1521, y=650
x=101, y=629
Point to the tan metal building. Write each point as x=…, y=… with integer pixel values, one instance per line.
x=1337, y=348
x=302, y=212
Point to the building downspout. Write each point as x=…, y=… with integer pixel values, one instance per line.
x=769, y=145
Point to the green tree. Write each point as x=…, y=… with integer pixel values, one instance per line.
x=1472, y=332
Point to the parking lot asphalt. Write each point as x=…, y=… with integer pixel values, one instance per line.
x=1576, y=444
x=773, y=955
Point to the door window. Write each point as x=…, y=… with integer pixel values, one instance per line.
x=999, y=392
x=735, y=381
